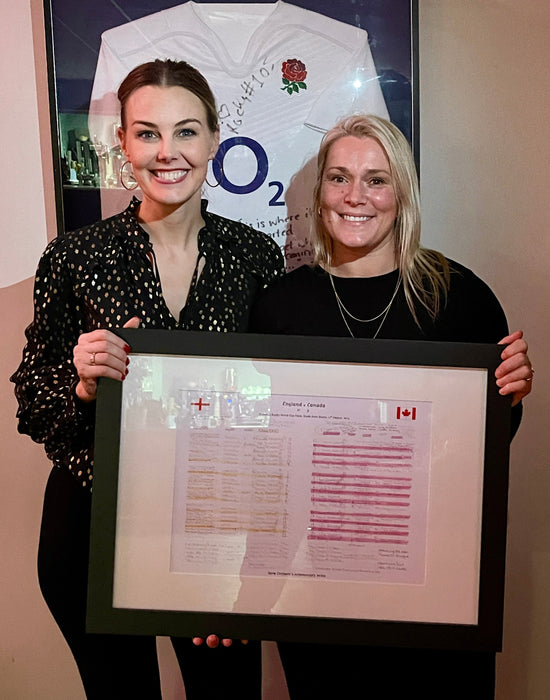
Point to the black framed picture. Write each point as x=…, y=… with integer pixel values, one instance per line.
x=305, y=489
x=282, y=73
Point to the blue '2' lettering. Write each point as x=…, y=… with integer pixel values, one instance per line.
x=275, y=201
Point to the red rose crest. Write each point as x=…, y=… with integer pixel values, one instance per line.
x=294, y=75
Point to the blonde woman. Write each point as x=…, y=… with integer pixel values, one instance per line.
x=372, y=279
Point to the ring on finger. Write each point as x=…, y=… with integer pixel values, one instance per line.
x=530, y=379
x=92, y=358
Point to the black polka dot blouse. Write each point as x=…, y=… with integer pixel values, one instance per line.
x=99, y=277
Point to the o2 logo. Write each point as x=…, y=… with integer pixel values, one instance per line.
x=262, y=167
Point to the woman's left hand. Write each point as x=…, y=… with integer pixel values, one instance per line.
x=515, y=372
x=212, y=641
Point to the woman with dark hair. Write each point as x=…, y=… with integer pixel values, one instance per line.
x=165, y=262
x=372, y=279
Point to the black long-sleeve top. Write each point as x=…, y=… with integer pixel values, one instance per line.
x=303, y=303
x=101, y=276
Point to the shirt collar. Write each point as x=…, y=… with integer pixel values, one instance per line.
x=217, y=226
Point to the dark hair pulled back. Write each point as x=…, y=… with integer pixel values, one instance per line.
x=169, y=73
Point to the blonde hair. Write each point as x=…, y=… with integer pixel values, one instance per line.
x=424, y=272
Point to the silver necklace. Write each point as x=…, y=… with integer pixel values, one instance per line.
x=345, y=312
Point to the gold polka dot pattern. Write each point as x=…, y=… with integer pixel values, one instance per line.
x=99, y=277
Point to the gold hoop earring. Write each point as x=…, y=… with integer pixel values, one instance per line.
x=218, y=182
x=127, y=179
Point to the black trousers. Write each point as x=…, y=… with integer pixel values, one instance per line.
x=340, y=671
x=122, y=666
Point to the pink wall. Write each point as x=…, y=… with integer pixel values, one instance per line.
x=485, y=97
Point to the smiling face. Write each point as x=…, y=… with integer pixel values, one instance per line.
x=169, y=144
x=358, y=203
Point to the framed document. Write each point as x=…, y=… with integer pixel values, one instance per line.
x=299, y=488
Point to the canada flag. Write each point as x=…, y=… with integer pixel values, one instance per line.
x=408, y=413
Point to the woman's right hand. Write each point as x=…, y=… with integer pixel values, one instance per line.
x=100, y=353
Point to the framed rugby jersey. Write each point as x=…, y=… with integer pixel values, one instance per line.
x=282, y=74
